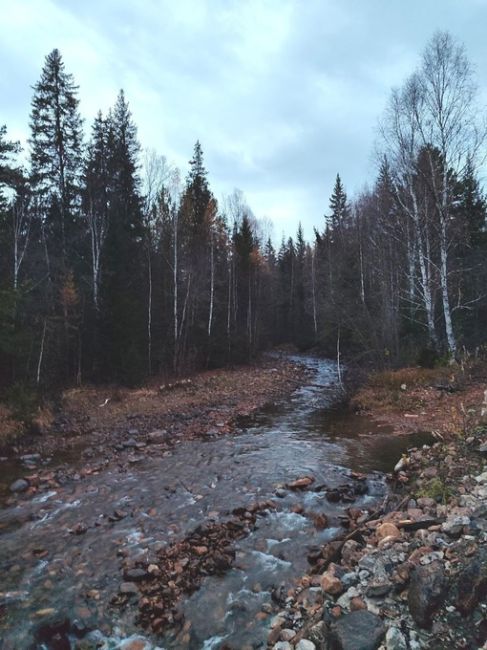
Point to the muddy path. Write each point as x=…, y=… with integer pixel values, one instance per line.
x=77, y=561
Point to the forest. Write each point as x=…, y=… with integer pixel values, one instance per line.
x=115, y=265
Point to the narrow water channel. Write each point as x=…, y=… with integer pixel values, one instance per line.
x=46, y=570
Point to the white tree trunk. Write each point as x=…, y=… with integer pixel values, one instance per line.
x=212, y=284
x=313, y=289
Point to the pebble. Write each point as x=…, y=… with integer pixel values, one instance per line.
x=128, y=588
x=304, y=644
x=395, y=639
x=20, y=485
x=287, y=635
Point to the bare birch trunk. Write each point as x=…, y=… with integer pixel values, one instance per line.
x=41, y=354
x=313, y=288
x=212, y=285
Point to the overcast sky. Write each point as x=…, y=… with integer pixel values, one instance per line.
x=282, y=94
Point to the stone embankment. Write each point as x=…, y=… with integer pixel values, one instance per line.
x=412, y=574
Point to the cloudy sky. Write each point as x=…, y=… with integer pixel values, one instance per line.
x=283, y=94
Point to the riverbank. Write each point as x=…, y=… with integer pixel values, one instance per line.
x=411, y=573
x=445, y=401
x=94, y=426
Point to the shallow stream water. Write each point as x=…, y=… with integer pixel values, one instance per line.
x=46, y=569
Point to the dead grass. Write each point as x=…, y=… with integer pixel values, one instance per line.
x=414, y=377
x=10, y=428
x=445, y=400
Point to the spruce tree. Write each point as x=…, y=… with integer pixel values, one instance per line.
x=340, y=211
x=55, y=179
x=56, y=157
x=123, y=287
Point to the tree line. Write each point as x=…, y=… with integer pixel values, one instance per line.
x=113, y=267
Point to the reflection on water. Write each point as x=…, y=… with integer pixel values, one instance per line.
x=45, y=565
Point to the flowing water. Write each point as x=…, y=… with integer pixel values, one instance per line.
x=46, y=568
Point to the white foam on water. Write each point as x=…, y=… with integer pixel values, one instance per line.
x=289, y=520
x=39, y=568
x=212, y=643
x=44, y=497
x=275, y=542
x=270, y=562
x=134, y=537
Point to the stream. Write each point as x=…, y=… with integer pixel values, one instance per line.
x=46, y=570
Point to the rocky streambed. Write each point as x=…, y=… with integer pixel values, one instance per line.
x=200, y=543
x=411, y=575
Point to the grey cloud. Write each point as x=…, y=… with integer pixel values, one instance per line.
x=282, y=93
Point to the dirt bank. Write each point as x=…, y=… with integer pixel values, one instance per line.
x=444, y=401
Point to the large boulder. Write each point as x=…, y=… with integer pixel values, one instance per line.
x=472, y=584
x=427, y=591
x=360, y=630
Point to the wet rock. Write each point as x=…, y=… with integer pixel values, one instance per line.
x=330, y=583
x=453, y=526
x=20, y=485
x=320, y=521
x=378, y=588
x=427, y=591
x=345, y=599
x=79, y=529
x=30, y=459
x=472, y=585
x=333, y=496
x=395, y=639
x=350, y=552
x=131, y=443
x=360, y=630
x=388, y=530
x=157, y=437
x=117, y=515
x=135, y=575
x=315, y=553
x=282, y=645
x=483, y=448
x=305, y=644
x=357, y=603
x=301, y=483
x=128, y=589
x=200, y=550
x=318, y=635
x=53, y=633
x=425, y=502
x=287, y=634
x=135, y=643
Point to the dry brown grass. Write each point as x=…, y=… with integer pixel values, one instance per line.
x=414, y=377
x=447, y=400
x=10, y=428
